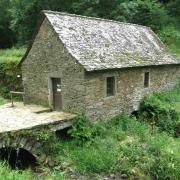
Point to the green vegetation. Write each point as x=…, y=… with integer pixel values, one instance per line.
x=18, y=18
x=124, y=145
x=11, y=55
x=162, y=110
x=147, y=147
x=6, y=173
x=9, y=70
x=170, y=35
x=121, y=146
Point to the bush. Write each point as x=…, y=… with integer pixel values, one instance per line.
x=9, y=60
x=155, y=110
x=153, y=159
x=84, y=130
x=130, y=125
x=126, y=146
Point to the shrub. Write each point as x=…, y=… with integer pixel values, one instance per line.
x=126, y=146
x=9, y=70
x=81, y=129
x=130, y=125
x=155, y=110
x=165, y=152
x=153, y=159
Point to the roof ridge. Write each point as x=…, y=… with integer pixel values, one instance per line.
x=91, y=17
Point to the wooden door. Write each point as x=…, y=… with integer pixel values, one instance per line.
x=57, y=94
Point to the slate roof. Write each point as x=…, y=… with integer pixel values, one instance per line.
x=100, y=44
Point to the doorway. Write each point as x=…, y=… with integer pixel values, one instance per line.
x=57, y=93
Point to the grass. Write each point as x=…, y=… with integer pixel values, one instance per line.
x=11, y=54
x=121, y=146
x=6, y=173
x=125, y=147
x=171, y=98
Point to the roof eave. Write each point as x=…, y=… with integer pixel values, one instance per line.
x=128, y=67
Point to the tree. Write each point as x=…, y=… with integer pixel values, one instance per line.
x=148, y=13
x=105, y=7
x=174, y=9
x=7, y=37
x=21, y=16
x=25, y=15
x=86, y=7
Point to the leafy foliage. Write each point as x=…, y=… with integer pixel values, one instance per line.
x=174, y=9
x=170, y=35
x=83, y=130
x=148, y=13
x=158, y=109
x=127, y=146
x=9, y=70
x=18, y=18
x=7, y=37
x=122, y=145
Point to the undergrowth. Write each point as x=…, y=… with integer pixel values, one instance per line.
x=6, y=173
x=170, y=35
x=162, y=110
x=9, y=71
x=126, y=146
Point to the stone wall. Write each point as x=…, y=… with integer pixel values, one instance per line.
x=47, y=59
x=129, y=89
x=86, y=91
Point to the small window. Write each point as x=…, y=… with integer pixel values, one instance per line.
x=110, y=83
x=146, y=79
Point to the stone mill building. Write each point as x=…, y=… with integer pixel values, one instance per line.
x=96, y=66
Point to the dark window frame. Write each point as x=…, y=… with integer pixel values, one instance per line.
x=110, y=86
x=146, y=79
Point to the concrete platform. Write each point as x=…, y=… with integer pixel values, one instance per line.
x=22, y=117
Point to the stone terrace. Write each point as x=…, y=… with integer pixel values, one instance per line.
x=23, y=117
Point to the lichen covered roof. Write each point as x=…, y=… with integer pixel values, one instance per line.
x=100, y=44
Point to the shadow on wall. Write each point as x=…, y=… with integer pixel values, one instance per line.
x=18, y=159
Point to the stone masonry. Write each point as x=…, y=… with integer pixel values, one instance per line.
x=59, y=51
x=47, y=59
x=129, y=89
